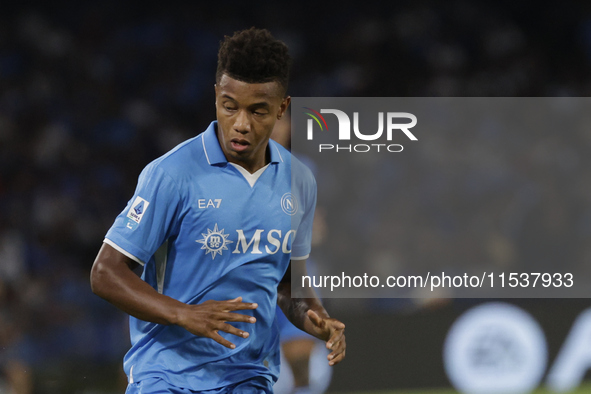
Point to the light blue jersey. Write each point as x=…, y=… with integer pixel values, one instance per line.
x=208, y=230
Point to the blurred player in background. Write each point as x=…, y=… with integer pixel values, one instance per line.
x=303, y=370
x=214, y=225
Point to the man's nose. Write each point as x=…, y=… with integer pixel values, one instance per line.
x=242, y=122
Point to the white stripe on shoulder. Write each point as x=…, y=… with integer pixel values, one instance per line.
x=205, y=150
x=281, y=157
x=123, y=251
x=300, y=258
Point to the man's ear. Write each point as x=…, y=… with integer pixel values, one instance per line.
x=283, y=107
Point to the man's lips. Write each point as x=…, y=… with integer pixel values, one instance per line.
x=239, y=144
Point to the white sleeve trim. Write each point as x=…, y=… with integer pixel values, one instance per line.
x=123, y=251
x=301, y=258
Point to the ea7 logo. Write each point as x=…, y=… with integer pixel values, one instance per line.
x=345, y=124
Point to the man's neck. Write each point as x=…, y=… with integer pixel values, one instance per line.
x=254, y=166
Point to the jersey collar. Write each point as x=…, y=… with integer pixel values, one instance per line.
x=215, y=155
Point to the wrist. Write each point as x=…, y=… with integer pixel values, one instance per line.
x=176, y=313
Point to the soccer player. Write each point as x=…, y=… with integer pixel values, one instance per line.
x=217, y=223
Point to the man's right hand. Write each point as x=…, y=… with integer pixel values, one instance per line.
x=112, y=278
x=210, y=317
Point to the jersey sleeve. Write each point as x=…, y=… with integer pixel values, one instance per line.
x=149, y=217
x=302, y=244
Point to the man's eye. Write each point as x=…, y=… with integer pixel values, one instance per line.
x=260, y=113
x=229, y=108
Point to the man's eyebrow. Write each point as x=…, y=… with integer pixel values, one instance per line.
x=257, y=105
x=260, y=104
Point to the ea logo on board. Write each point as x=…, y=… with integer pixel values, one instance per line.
x=289, y=204
x=495, y=348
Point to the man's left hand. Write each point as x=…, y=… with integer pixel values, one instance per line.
x=333, y=332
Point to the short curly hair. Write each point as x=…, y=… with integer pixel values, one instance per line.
x=254, y=56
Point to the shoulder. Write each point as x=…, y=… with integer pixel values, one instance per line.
x=180, y=161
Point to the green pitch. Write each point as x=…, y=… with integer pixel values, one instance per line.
x=585, y=388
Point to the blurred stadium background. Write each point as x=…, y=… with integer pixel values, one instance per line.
x=90, y=93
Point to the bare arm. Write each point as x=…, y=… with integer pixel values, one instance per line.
x=309, y=315
x=112, y=278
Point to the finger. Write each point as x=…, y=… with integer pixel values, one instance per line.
x=335, y=338
x=235, y=317
x=314, y=318
x=237, y=306
x=230, y=329
x=338, y=325
x=223, y=302
x=338, y=348
x=337, y=359
x=221, y=340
